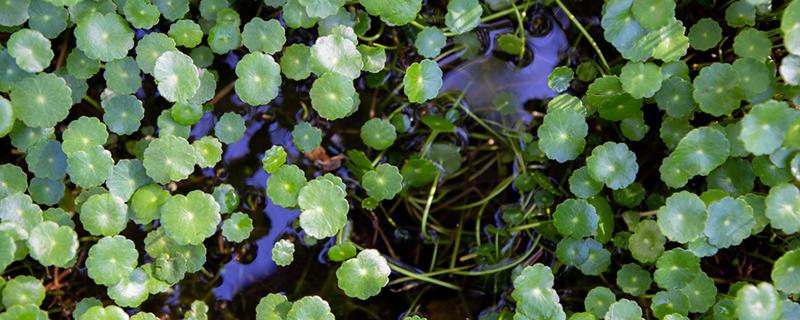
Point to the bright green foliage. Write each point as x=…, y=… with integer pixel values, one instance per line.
x=53, y=245
x=104, y=214
x=611, y=102
x=755, y=78
x=132, y=290
x=46, y=191
x=321, y=8
x=186, y=33
x=208, y=151
x=418, y=172
x=42, y=100
x=273, y=306
x=786, y=272
x=295, y=62
x=104, y=37
x=150, y=48
x=24, y=311
x=336, y=54
x=283, y=252
x=641, y=80
x=463, y=15
x=562, y=134
x=259, y=78
x=752, y=43
x=178, y=78
x=342, y=251
x=559, y=79
x=146, y=201
x=653, y=14
x=30, y=49
x=735, y=177
x=430, y=41
x=21, y=212
x=83, y=134
x=230, y=128
x=199, y=311
x=378, y=134
x=783, y=208
x=190, y=219
x=764, y=127
x=575, y=218
x=374, y=58
x=169, y=158
x=715, y=91
x=789, y=26
x=533, y=291
x=682, y=218
x=226, y=197
x=757, y=302
x=284, y=185
x=323, y=208
x=14, y=13
x=141, y=13
x=363, y=276
x=127, y=176
x=675, y=268
x=675, y=97
x=110, y=312
x=237, y=228
x=422, y=81
x=306, y=137
x=122, y=76
x=310, y=307
x=273, y=158
x=646, y=243
x=613, y=164
x=333, y=96
x=621, y=29
x=598, y=300
x=396, y=13
x=7, y=117
x=80, y=66
x=383, y=183
x=729, y=222
x=698, y=153
x=582, y=185
x=111, y=260
x=23, y=290
x=669, y=302
x=624, y=309
x=633, y=280
x=12, y=180
x=265, y=36
x=91, y=167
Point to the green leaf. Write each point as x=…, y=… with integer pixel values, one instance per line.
x=83, y=134
x=383, y=182
x=295, y=62
x=419, y=172
x=336, y=54
x=560, y=78
x=30, y=49
x=701, y=292
x=715, y=91
x=396, y=13
x=575, y=218
x=323, y=208
x=258, y=79
x=169, y=158
x=306, y=137
x=321, y=8
x=150, y=48
x=42, y=100
x=273, y=159
x=463, y=15
x=582, y=185
x=131, y=291
x=683, y=217
x=208, y=151
x=705, y=34
x=613, y=164
x=622, y=30
x=230, y=128
x=764, y=127
x=12, y=180
x=127, y=176
x=653, y=14
x=669, y=302
x=430, y=41
x=172, y=9
x=757, y=302
x=786, y=272
x=698, y=153
x=14, y=13
x=110, y=312
x=104, y=214
x=633, y=280
x=752, y=43
x=178, y=78
x=146, y=201
x=675, y=97
x=561, y=135
x=422, y=81
x=333, y=96
x=111, y=260
x=342, y=252
x=91, y=167
x=123, y=114
x=641, y=80
x=273, y=306
x=611, y=102
x=363, y=276
x=80, y=66
x=533, y=291
x=374, y=58
x=740, y=13
x=624, y=309
x=186, y=33
x=142, y=14
x=190, y=219
x=53, y=245
x=19, y=210
x=284, y=185
x=598, y=300
x=283, y=252
x=310, y=307
x=783, y=207
x=104, y=37
x=237, y=227
x=675, y=268
x=789, y=26
x=23, y=290
x=729, y=222
x=46, y=191
x=25, y=311
x=378, y=134
x=646, y=243
x=7, y=117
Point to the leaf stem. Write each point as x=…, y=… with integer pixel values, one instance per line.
x=428, y=204
x=586, y=34
x=422, y=277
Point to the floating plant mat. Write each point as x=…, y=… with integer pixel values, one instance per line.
x=460, y=159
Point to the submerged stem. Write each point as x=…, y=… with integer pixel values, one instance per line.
x=585, y=33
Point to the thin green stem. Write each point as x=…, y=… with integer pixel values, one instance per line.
x=428, y=203
x=586, y=34
x=423, y=277
x=497, y=190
